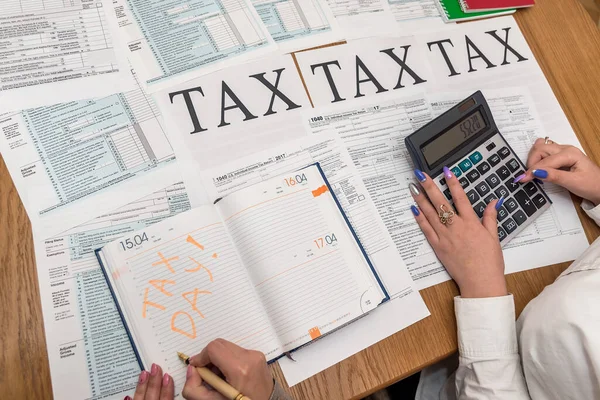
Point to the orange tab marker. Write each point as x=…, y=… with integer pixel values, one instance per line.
x=320, y=191
x=193, y=241
x=314, y=332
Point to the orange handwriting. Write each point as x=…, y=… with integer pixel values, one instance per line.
x=166, y=261
x=191, y=335
x=199, y=267
x=160, y=285
x=193, y=241
x=149, y=303
x=192, y=302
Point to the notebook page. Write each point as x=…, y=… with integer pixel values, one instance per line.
x=180, y=284
x=302, y=257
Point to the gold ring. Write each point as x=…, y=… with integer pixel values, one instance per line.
x=547, y=140
x=446, y=215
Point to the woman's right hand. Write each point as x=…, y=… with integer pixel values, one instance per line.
x=565, y=166
x=245, y=370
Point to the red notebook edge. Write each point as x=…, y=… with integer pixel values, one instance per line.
x=493, y=5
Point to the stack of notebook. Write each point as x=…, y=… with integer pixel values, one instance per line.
x=452, y=10
x=472, y=6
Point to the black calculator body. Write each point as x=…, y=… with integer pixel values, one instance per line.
x=466, y=140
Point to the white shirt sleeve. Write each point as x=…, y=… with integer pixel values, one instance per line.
x=591, y=211
x=489, y=362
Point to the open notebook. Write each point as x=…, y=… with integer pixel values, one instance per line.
x=270, y=267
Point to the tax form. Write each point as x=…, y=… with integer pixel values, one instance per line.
x=415, y=16
x=173, y=41
x=52, y=51
x=73, y=161
x=88, y=348
x=406, y=306
x=373, y=131
x=298, y=24
x=364, y=18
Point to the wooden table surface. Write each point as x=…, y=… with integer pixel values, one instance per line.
x=566, y=44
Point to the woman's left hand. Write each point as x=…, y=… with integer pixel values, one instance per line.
x=469, y=249
x=154, y=385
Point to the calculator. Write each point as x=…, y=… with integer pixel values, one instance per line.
x=466, y=140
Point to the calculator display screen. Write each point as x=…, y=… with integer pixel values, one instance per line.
x=444, y=143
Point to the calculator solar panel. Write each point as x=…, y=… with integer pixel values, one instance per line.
x=466, y=139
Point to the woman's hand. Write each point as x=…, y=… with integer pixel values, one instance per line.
x=469, y=249
x=245, y=370
x=154, y=385
x=566, y=166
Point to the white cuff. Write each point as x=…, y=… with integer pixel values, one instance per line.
x=591, y=211
x=486, y=327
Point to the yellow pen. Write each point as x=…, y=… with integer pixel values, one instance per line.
x=215, y=381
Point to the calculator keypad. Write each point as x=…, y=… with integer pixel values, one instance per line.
x=488, y=174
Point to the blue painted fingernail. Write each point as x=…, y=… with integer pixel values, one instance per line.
x=420, y=175
x=415, y=210
x=519, y=178
x=536, y=180
x=540, y=173
x=447, y=173
x=499, y=203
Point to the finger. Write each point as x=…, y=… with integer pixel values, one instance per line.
x=565, y=159
x=426, y=208
x=435, y=196
x=489, y=219
x=219, y=352
x=425, y=226
x=140, y=389
x=461, y=202
x=541, y=150
x=154, y=383
x=194, y=389
x=167, y=391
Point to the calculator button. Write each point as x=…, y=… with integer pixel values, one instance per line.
x=530, y=189
x=483, y=168
x=509, y=226
x=448, y=194
x=490, y=146
x=463, y=182
x=483, y=189
x=494, y=159
x=510, y=204
x=539, y=200
x=502, y=192
x=502, y=213
x=521, y=172
x=525, y=202
x=501, y=234
x=489, y=199
x=512, y=186
x=503, y=172
x=473, y=196
x=519, y=217
x=504, y=152
x=473, y=175
x=475, y=157
x=456, y=171
x=465, y=165
x=479, y=209
x=443, y=182
x=513, y=165
x=493, y=180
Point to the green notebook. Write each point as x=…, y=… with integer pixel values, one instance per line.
x=452, y=12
